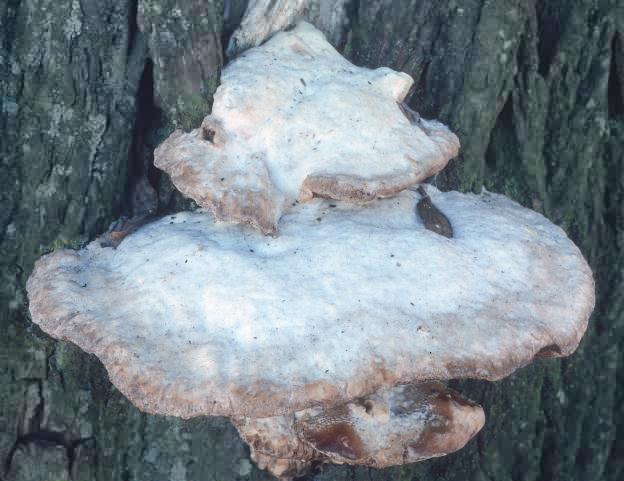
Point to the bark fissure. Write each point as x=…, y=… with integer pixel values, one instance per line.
x=133, y=26
x=615, y=98
x=36, y=434
x=143, y=177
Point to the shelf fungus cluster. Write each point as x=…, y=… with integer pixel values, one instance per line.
x=321, y=297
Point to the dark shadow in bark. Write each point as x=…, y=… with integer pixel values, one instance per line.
x=616, y=88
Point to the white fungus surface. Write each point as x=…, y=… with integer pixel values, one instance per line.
x=192, y=316
x=293, y=119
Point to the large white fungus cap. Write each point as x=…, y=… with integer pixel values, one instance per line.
x=292, y=120
x=192, y=316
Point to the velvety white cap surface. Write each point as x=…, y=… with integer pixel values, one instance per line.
x=195, y=317
x=292, y=119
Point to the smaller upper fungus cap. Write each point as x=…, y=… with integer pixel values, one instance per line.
x=292, y=119
x=193, y=317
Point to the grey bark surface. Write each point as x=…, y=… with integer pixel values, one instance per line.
x=535, y=91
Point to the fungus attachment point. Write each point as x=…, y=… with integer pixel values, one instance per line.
x=411, y=115
x=432, y=218
x=122, y=228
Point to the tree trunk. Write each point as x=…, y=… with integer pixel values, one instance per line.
x=533, y=88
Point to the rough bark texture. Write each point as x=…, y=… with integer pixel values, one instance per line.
x=535, y=90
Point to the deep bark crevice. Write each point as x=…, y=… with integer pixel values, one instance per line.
x=125, y=471
x=352, y=13
x=615, y=100
x=48, y=438
x=45, y=437
x=11, y=11
x=550, y=20
x=500, y=138
x=233, y=11
x=143, y=178
x=133, y=27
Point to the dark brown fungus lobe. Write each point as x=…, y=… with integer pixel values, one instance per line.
x=447, y=432
x=406, y=423
x=393, y=426
x=338, y=440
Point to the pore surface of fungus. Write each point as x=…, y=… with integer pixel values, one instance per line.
x=291, y=120
x=192, y=316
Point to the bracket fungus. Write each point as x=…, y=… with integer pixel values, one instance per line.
x=330, y=341
x=403, y=424
x=293, y=119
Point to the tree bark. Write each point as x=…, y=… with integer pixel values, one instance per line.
x=535, y=91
